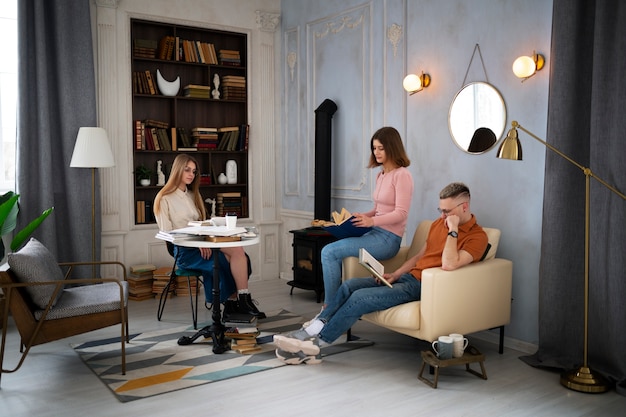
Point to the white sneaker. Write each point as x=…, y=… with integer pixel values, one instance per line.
x=298, y=358
x=298, y=341
x=308, y=323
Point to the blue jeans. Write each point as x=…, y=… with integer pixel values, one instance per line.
x=190, y=258
x=381, y=243
x=360, y=296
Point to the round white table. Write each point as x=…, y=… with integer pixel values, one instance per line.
x=216, y=329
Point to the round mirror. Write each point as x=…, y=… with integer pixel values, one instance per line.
x=477, y=117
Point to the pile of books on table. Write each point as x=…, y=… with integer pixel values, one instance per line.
x=242, y=331
x=140, y=282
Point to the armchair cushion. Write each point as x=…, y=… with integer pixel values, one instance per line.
x=35, y=263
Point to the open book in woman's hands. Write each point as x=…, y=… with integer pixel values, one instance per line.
x=343, y=226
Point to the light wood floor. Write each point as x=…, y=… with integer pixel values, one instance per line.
x=380, y=380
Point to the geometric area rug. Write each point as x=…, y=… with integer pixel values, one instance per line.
x=156, y=364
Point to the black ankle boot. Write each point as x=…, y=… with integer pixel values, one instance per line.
x=246, y=306
x=231, y=307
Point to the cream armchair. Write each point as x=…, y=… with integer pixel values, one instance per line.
x=470, y=299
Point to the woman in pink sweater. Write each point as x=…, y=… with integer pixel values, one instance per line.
x=388, y=218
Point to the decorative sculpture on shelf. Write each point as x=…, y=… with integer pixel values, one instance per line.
x=160, y=174
x=216, y=86
x=212, y=202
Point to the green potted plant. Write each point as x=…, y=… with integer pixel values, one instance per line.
x=9, y=209
x=143, y=175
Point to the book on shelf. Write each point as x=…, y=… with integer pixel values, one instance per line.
x=165, y=49
x=144, y=48
x=197, y=91
x=151, y=83
x=243, y=137
x=174, y=139
x=181, y=133
x=140, y=211
x=139, y=135
x=156, y=123
x=372, y=265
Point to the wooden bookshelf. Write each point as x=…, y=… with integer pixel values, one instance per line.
x=153, y=47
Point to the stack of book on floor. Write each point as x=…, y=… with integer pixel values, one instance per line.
x=140, y=282
x=184, y=287
x=161, y=276
x=242, y=330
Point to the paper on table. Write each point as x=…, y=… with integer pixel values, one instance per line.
x=209, y=231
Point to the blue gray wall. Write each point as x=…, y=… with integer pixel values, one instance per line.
x=357, y=53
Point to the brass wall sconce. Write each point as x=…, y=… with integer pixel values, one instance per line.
x=525, y=67
x=413, y=83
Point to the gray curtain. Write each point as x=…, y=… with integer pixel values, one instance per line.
x=57, y=96
x=586, y=121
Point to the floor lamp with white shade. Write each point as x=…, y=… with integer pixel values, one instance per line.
x=92, y=150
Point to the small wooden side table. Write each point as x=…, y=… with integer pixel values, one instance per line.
x=470, y=355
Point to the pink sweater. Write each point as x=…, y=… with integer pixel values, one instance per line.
x=392, y=200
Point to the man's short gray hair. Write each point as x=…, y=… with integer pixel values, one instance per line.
x=453, y=190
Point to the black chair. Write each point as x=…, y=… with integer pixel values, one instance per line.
x=181, y=272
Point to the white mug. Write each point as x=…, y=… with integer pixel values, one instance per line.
x=444, y=347
x=459, y=344
x=231, y=221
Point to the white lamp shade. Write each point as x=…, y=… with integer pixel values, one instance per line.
x=411, y=83
x=92, y=149
x=524, y=67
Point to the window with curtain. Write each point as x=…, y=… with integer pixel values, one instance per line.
x=8, y=93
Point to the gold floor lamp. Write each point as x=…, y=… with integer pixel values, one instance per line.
x=581, y=379
x=92, y=150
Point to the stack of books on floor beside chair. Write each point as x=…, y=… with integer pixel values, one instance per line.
x=161, y=276
x=140, y=282
x=242, y=331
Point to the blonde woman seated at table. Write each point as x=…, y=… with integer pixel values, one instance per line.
x=179, y=202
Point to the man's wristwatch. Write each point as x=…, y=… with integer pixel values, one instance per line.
x=453, y=234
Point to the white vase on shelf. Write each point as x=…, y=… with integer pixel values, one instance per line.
x=222, y=178
x=167, y=88
x=231, y=171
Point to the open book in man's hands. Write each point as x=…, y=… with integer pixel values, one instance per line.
x=371, y=264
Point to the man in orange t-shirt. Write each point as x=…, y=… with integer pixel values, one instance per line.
x=454, y=240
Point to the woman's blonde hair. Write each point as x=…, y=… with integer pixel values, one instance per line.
x=176, y=175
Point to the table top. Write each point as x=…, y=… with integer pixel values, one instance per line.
x=201, y=243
